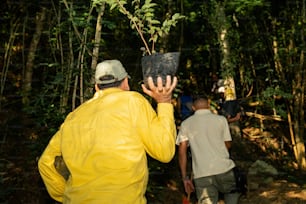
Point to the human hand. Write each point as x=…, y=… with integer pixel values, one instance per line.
x=188, y=185
x=160, y=93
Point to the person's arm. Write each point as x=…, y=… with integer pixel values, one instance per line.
x=227, y=138
x=183, y=158
x=54, y=182
x=228, y=144
x=234, y=119
x=188, y=185
x=157, y=131
x=237, y=110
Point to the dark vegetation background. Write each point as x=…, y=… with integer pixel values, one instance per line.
x=47, y=61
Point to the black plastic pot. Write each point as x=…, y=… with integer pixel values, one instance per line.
x=160, y=64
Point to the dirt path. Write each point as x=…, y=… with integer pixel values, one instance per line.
x=277, y=192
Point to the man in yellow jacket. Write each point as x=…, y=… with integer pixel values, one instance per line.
x=104, y=142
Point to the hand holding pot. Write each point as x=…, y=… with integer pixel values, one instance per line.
x=160, y=93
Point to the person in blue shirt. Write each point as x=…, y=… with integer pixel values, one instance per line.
x=185, y=104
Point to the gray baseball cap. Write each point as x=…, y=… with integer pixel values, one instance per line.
x=110, y=71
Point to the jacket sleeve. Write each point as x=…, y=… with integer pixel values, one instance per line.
x=157, y=130
x=54, y=182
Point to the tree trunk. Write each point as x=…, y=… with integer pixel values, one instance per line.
x=14, y=25
x=226, y=65
x=298, y=91
x=66, y=59
x=79, y=78
x=230, y=90
x=27, y=83
x=81, y=58
x=95, y=52
x=298, y=115
x=299, y=102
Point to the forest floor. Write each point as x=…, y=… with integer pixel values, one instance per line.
x=20, y=182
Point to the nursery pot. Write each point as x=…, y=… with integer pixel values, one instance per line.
x=160, y=64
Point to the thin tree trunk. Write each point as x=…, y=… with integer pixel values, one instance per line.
x=292, y=136
x=79, y=79
x=66, y=63
x=95, y=52
x=298, y=115
x=277, y=63
x=298, y=91
x=27, y=83
x=82, y=52
x=68, y=76
x=7, y=56
x=300, y=143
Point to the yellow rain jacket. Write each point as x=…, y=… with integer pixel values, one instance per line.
x=104, y=144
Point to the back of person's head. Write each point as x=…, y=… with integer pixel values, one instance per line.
x=200, y=101
x=110, y=73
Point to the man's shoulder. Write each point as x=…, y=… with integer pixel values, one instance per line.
x=134, y=96
x=209, y=117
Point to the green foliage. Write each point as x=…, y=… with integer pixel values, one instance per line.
x=244, y=6
x=144, y=20
x=47, y=115
x=271, y=97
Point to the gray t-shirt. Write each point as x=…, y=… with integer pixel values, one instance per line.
x=206, y=133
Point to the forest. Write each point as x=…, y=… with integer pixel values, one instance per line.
x=49, y=51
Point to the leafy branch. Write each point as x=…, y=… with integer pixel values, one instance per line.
x=143, y=20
